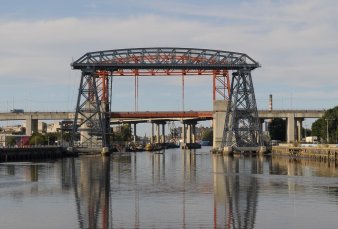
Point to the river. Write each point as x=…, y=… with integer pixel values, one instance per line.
x=174, y=189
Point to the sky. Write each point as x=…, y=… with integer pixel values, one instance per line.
x=295, y=41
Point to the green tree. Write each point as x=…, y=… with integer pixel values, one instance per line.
x=51, y=138
x=277, y=129
x=37, y=139
x=123, y=135
x=207, y=135
x=327, y=125
x=318, y=128
x=10, y=141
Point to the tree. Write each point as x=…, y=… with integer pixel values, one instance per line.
x=123, y=135
x=317, y=128
x=51, y=138
x=10, y=141
x=277, y=129
x=207, y=135
x=37, y=139
x=327, y=125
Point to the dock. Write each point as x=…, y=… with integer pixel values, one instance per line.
x=33, y=153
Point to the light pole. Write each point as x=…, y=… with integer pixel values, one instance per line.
x=327, y=129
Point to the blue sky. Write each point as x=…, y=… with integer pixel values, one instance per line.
x=296, y=42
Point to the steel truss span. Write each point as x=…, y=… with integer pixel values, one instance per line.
x=94, y=103
x=169, y=59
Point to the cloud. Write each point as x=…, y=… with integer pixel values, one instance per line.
x=296, y=42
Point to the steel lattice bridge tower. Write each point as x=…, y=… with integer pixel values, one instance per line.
x=92, y=116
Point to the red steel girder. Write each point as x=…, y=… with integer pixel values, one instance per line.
x=162, y=114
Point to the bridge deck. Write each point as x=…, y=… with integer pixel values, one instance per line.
x=201, y=115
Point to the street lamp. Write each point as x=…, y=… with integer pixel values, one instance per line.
x=327, y=129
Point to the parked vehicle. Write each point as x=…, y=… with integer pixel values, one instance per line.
x=311, y=139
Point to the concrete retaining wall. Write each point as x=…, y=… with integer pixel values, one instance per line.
x=318, y=153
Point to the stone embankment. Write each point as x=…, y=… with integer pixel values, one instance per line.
x=320, y=152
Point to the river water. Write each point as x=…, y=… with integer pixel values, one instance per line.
x=175, y=189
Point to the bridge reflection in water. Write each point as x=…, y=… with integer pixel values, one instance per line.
x=98, y=183
x=235, y=191
x=176, y=189
x=91, y=180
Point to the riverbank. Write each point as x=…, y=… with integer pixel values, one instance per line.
x=329, y=153
x=33, y=153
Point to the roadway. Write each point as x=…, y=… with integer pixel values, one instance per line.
x=160, y=115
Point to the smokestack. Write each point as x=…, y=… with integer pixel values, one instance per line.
x=270, y=109
x=270, y=102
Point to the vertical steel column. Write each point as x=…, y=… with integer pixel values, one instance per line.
x=103, y=89
x=242, y=126
x=136, y=92
x=88, y=114
x=221, y=84
x=183, y=74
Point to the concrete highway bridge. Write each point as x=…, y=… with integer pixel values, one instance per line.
x=294, y=118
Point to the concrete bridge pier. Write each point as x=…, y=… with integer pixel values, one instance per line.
x=294, y=128
x=184, y=134
x=160, y=132
x=163, y=132
x=299, y=129
x=152, y=133
x=263, y=124
x=219, y=111
x=31, y=126
x=134, y=132
x=189, y=134
x=157, y=133
x=291, y=126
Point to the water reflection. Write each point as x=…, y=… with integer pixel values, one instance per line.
x=189, y=166
x=174, y=189
x=91, y=179
x=235, y=191
x=158, y=167
x=303, y=167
